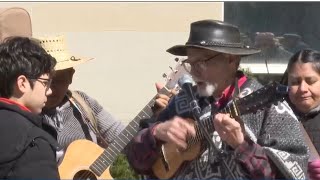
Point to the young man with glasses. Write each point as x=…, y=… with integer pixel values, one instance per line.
x=266, y=144
x=27, y=150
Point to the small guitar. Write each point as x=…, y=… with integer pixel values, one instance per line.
x=84, y=159
x=166, y=166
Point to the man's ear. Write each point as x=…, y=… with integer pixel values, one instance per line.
x=22, y=84
x=234, y=59
x=72, y=71
x=234, y=62
x=230, y=59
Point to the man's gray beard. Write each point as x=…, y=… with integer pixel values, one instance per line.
x=208, y=90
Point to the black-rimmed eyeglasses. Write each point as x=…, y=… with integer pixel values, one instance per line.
x=197, y=65
x=44, y=81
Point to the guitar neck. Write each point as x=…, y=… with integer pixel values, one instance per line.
x=259, y=99
x=231, y=108
x=120, y=142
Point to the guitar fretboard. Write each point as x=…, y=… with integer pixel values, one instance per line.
x=231, y=108
x=120, y=142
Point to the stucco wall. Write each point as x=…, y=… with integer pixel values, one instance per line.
x=127, y=40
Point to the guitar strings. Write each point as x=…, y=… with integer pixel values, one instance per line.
x=86, y=175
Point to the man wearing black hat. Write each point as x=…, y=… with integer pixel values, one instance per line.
x=260, y=145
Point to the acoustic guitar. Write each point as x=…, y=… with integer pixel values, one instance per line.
x=84, y=159
x=171, y=158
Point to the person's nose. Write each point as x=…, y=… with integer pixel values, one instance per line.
x=49, y=92
x=303, y=87
x=195, y=70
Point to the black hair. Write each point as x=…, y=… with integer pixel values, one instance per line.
x=303, y=56
x=22, y=56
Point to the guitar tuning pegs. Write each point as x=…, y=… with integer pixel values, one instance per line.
x=173, y=70
x=164, y=75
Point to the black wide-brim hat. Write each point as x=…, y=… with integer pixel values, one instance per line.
x=216, y=36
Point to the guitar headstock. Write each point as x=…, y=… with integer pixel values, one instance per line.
x=175, y=74
x=262, y=98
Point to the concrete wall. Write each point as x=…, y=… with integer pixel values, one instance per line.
x=127, y=40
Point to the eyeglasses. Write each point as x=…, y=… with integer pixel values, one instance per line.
x=198, y=65
x=45, y=82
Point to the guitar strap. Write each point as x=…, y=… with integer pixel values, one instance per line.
x=236, y=95
x=233, y=94
x=237, y=89
x=247, y=83
x=87, y=115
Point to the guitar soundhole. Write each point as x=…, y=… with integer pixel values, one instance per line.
x=85, y=175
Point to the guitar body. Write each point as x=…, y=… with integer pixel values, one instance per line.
x=174, y=158
x=79, y=155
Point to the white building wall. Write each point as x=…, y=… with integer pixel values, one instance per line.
x=127, y=40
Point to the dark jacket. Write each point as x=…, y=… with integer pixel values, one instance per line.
x=27, y=151
x=312, y=126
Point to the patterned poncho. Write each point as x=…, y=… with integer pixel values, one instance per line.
x=275, y=129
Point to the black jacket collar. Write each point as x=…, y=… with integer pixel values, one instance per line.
x=33, y=118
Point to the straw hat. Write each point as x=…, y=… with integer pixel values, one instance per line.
x=56, y=46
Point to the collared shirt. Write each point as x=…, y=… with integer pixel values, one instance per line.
x=71, y=126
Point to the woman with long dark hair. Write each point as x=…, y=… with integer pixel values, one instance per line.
x=303, y=77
